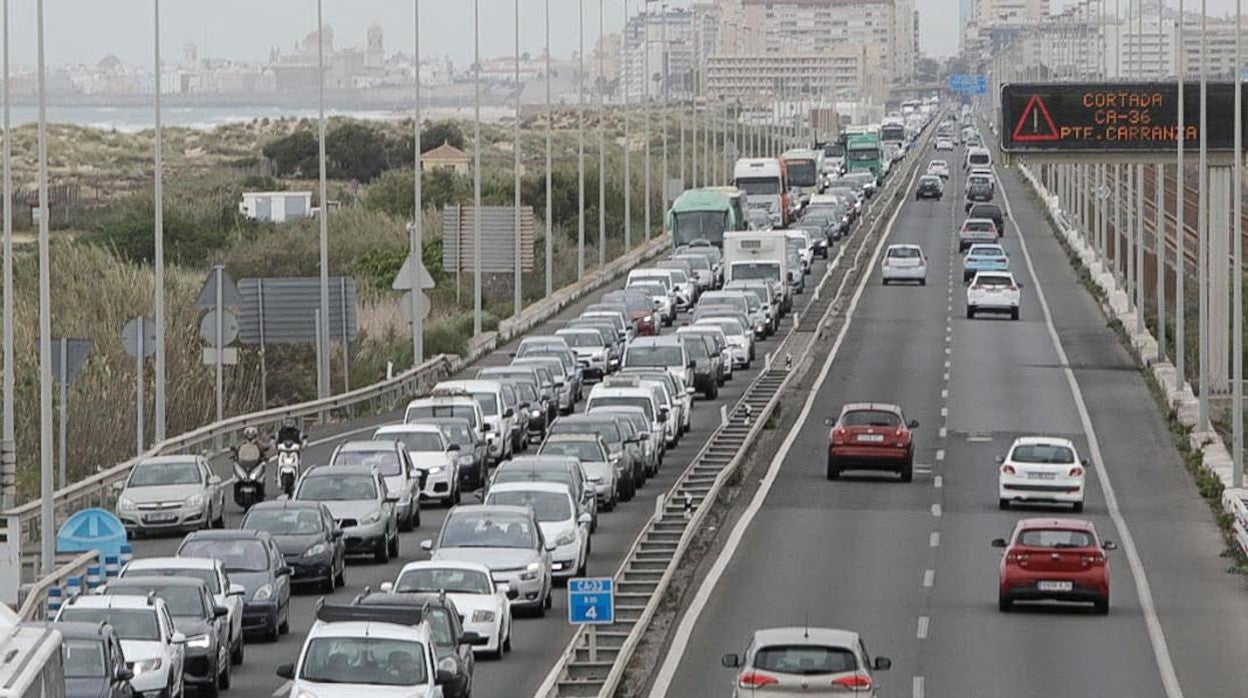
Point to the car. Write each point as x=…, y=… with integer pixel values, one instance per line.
x=661, y=300
x=707, y=368
x=975, y=230
x=506, y=539
x=206, y=663
x=647, y=390
x=171, y=493
x=562, y=522
x=451, y=403
x=940, y=168
x=944, y=143
x=993, y=291
x=703, y=269
x=392, y=460
x=608, y=336
x=354, y=650
x=992, y=212
x=452, y=644
x=567, y=359
x=630, y=473
x=929, y=187
x=904, y=262
x=642, y=444
x=683, y=280
x=984, y=257
x=1041, y=469
x=805, y=661
x=308, y=537
x=978, y=189
x=153, y=648
x=591, y=350
x=639, y=319
x=604, y=475
x=542, y=372
x=670, y=279
x=362, y=508
x=434, y=460
x=471, y=457
x=665, y=352
x=489, y=395
x=252, y=559
x=224, y=592
x=873, y=436
x=93, y=661
x=485, y=604
x=537, y=397
x=738, y=336
x=564, y=470
x=719, y=346
x=1050, y=559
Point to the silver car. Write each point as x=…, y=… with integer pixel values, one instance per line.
x=509, y=541
x=165, y=493
x=393, y=462
x=591, y=451
x=806, y=661
x=356, y=495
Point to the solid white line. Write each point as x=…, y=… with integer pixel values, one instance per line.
x=933, y=539
x=938, y=482
x=917, y=691
x=282, y=690
x=684, y=631
x=921, y=631
x=940, y=454
x=936, y=510
x=929, y=577
x=1156, y=636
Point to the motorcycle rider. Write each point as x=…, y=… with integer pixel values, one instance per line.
x=249, y=457
x=290, y=444
x=290, y=433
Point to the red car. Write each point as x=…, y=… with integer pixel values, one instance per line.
x=871, y=436
x=1054, y=560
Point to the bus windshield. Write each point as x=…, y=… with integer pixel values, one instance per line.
x=688, y=226
x=759, y=186
x=802, y=173
x=895, y=133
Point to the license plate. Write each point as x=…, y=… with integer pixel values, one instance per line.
x=1042, y=476
x=1054, y=586
x=246, y=487
x=160, y=518
x=871, y=438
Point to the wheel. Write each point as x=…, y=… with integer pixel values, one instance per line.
x=498, y=653
x=550, y=598
x=970, y=312
x=239, y=650
x=1102, y=606
x=580, y=571
x=213, y=688
x=885, y=282
x=713, y=393
x=341, y=579
x=220, y=520
x=1004, y=603
x=284, y=627
x=922, y=282
x=382, y=555
x=406, y=523
x=1013, y=313
x=1078, y=507
x=907, y=470
x=507, y=640
x=225, y=678
x=834, y=472
x=1003, y=504
x=416, y=518
x=271, y=633
x=394, y=545
x=455, y=498
x=330, y=582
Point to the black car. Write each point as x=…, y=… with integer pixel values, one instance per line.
x=992, y=212
x=195, y=615
x=93, y=662
x=309, y=538
x=253, y=560
x=450, y=640
x=978, y=190
x=930, y=187
x=610, y=433
x=705, y=375
x=472, y=453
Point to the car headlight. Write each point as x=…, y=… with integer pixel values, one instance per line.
x=530, y=573
x=195, y=500
x=436, y=469
x=372, y=518
x=146, y=666
x=490, y=436
x=263, y=593
x=305, y=694
x=567, y=538
x=482, y=616
x=125, y=503
x=316, y=551
x=464, y=460
x=535, y=414
x=199, y=641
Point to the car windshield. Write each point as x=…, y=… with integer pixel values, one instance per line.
x=364, y=660
x=246, y=555
x=987, y=251
x=870, y=418
x=130, y=624
x=284, y=522
x=415, y=440
x=158, y=474
x=547, y=506
x=448, y=579
x=181, y=600
x=330, y=487
x=473, y=530
x=387, y=462
x=588, y=451
x=992, y=280
x=805, y=659
x=654, y=355
x=759, y=186
x=904, y=252
x=559, y=476
x=929, y=179
x=1054, y=538
x=607, y=429
x=695, y=261
x=459, y=434
x=1042, y=453
x=83, y=659
x=833, y=150
x=730, y=327
x=755, y=270
x=623, y=401
x=207, y=576
x=802, y=173
x=525, y=392
x=582, y=339
x=488, y=402
x=416, y=413
x=694, y=346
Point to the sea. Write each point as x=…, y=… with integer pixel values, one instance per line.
x=131, y=119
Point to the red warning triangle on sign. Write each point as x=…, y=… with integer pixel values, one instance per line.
x=1035, y=124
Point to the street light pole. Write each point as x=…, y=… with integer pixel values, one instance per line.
x=1202, y=417
x=8, y=453
x=158, y=262
x=602, y=138
x=646, y=117
x=47, y=557
x=550, y=126
x=1180, y=234
x=628, y=176
x=416, y=237
x=663, y=61
x=580, y=143
x=515, y=150
x=323, y=338
x=1237, y=280
x=476, y=168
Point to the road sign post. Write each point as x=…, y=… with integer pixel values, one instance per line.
x=591, y=602
x=68, y=356
x=139, y=339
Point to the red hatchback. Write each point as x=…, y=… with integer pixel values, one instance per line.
x=1054, y=560
x=871, y=436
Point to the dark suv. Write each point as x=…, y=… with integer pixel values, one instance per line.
x=978, y=190
x=93, y=661
x=930, y=187
x=992, y=212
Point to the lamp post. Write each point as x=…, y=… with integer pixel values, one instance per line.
x=602, y=140
x=158, y=261
x=416, y=237
x=518, y=292
x=323, y=219
x=476, y=168
x=628, y=176
x=550, y=125
x=580, y=142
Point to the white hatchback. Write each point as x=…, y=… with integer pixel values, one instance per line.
x=484, y=603
x=993, y=291
x=904, y=263
x=1041, y=469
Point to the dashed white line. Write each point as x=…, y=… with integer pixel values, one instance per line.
x=933, y=539
x=929, y=578
x=940, y=454
x=944, y=412
x=946, y=376
x=944, y=394
x=282, y=690
x=921, y=631
x=943, y=432
x=936, y=510
x=938, y=482
x=948, y=363
x=917, y=691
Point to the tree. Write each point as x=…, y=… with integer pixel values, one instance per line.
x=355, y=151
x=441, y=132
x=294, y=155
x=392, y=193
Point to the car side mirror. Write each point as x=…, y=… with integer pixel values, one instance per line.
x=829, y=422
x=732, y=661
x=177, y=638
x=999, y=459
x=1086, y=463
x=452, y=448
x=469, y=637
x=123, y=674
x=119, y=485
x=286, y=671
x=220, y=612
x=486, y=427
x=550, y=546
x=882, y=664
x=912, y=424
x=998, y=542
x=509, y=413
x=386, y=587
x=585, y=519
x=1109, y=545
x=662, y=416
x=214, y=480
x=284, y=571
x=237, y=590
x=336, y=534
x=426, y=545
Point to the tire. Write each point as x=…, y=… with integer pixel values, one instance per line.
x=834, y=472
x=507, y=641
x=239, y=651
x=329, y=583
x=220, y=520
x=271, y=634
x=885, y=282
x=406, y=523
x=1013, y=313
x=382, y=555
x=922, y=282
x=1004, y=603
x=213, y=688
x=1078, y=507
x=1003, y=504
x=455, y=498
x=416, y=518
x=1101, y=606
x=970, y=312
x=225, y=678
x=713, y=393
x=342, y=574
x=394, y=545
x=550, y=599
x=284, y=626
x=907, y=470
x=498, y=653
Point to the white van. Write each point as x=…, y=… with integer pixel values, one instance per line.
x=977, y=157
x=489, y=395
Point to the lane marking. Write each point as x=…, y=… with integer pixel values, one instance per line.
x=917, y=690
x=684, y=631
x=943, y=432
x=282, y=690
x=921, y=631
x=944, y=412
x=946, y=378
x=938, y=481
x=1156, y=636
x=929, y=577
x=933, y=539
x=948, y=363
x=940, y=454
x=944, y=394
x=936, y=510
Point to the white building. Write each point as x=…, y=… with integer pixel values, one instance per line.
x=850, y=68
x=680, y=38
x=276, y=206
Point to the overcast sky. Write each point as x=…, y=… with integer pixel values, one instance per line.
x=86, y=30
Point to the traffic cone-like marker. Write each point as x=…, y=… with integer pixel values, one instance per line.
x=688, y=506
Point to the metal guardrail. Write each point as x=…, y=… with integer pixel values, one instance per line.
x=595, y=659
x=35, y=604
x=23, y=524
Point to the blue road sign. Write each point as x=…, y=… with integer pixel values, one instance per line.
x=968, y=84
x=591, y=601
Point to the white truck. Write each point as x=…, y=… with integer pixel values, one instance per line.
x=758, y=254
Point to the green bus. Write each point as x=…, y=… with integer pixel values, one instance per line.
x=863, y=153
x=704, y=214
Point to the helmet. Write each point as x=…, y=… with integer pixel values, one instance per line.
x=250, y=433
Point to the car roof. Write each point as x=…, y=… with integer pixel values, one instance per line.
x=179, y=458
x=487, y=509
x=540, y=461
x=194, y=563
x=574, y=436
x=340, y=470
x=1056, y=522
x=530, y=486
x=445, y=564
x=370, y=446
x=998, y=274
x=661, y=341
x=984, y=205
x=1043, y=440
x=140, y=580
x=112, y=601
x=980, y=221
x=283, y=505
x=463, y=421
x=799, y=635
x=356, y=628
x=982, y=245
x=904, y=246
x=78, y=630
x=878, y=406
x=470, y=385
x=419, y=426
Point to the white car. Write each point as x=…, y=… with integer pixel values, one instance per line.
x=561, y=521
x=943, y=143
x=740, y=338
x=224, y=593
x=904, y=262
x=489, y=395
x=154, y=650
x=805, y=661
x=940, y=168
x=431, y=455
x=993, y=291
x=1041, y=469
x=485, y=604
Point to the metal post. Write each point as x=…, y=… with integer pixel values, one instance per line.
x=1128, y=215
x=417, y=236
x=602, y=138
x=663, y=60
x=139, y=400
x=1139, y=248
x=346, y=341
x=8, y=447
x=1180, y=232
x=264, y=369
x=47, y=523
x=515, y=151
x=628, y=176
x=1118, y=220
x=322, y=365
x=158, y=261
x=476, y=169
x=220, y=365
x=1237, y=276
x=580, y=142
x=63, y=408
x=1159, y=230
x=646, y=118
x=316, y=324
x=1203, y=223
x=693, y=140
x=550, y=125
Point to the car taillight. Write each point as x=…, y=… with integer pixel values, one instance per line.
x=838, y=435
x=756, y=679
x=1076, y=471
x=1094, y=559
x=1019, y=558
x=855, y=683
x=1007, y=470
x=1013, y=287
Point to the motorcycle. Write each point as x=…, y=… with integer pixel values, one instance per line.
x=288, y=457
x=248, y=475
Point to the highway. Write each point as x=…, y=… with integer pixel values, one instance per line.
x=537, y=642
x=909, y=565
